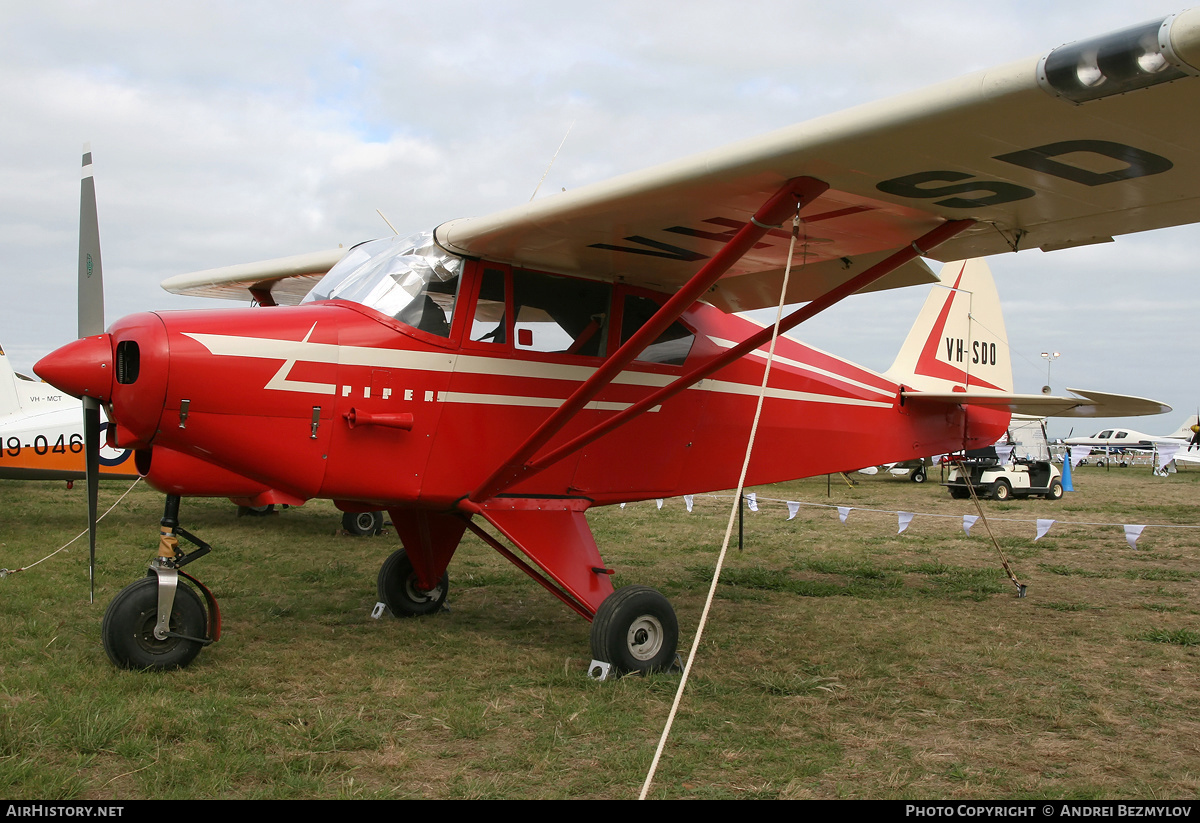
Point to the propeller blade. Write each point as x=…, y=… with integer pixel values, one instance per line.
x=91, y=321
x=91, y=285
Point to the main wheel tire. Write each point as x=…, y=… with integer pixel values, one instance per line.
x=402, y=594
x=129, y=621
x=635, y=630
x=363, y=524
x=1001, y=491
x=1056, y=490
x=917, y=476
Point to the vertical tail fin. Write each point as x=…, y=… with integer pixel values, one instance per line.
x=1187, y=429
x=959, y=338
x=10, y=400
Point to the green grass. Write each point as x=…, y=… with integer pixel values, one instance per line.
x=839, y=661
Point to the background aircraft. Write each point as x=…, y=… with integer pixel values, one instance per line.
x=449, y=328
x=41, y=433
x=1183, y=443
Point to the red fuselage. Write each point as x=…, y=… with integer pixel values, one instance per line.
x=335, y=400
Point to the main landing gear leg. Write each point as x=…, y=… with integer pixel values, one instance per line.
x=634, y=628
x=156, y=622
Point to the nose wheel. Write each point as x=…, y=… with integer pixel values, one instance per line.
x=132, y=617
x=635, y=630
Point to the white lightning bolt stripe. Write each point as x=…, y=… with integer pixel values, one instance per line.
x=291, y=351
x=806, y=367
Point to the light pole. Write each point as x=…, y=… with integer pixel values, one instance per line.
x=1050, y=357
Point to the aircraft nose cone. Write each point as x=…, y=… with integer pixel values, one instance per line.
x=82, y=368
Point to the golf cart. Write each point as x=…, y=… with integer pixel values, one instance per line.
x=1018, y=466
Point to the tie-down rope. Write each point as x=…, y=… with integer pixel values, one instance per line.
x=737, y=498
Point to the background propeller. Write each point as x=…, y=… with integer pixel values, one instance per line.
x=91, y=321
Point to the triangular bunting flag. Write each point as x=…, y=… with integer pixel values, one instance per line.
x=905, y=519
x=622, y=505
x=843, y=513
x=968, y=522
x=1078, y=453
x=1132, y=533
x=1043, y=526
x=792, y=509
x=659, y=502
x=687, y=501
x=752, y=501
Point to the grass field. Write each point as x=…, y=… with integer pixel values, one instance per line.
x=840, y=660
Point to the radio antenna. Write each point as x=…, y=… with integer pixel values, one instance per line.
x=552, y=159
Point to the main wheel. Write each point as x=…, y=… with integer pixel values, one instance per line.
x=918, y=475
x=363, y=524
x=1056, y=490
x=1001, y=491
x=400, y=591
x=635, y=630
x=129, y=621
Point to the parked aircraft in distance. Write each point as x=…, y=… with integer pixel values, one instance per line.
x=1185, y=440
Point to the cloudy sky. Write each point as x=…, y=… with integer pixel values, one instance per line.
x=227, y=132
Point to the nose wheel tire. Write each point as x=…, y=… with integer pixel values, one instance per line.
x=129, y=621
x=635, y=630
x=363, y=524
x=402, y=593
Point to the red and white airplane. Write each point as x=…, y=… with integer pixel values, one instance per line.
x=504, y=374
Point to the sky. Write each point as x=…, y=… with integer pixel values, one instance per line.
x=230, y=132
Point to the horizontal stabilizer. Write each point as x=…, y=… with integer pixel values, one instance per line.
x=285, y=279
x=1086, y=404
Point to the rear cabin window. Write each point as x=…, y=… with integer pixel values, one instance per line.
x=672, y=346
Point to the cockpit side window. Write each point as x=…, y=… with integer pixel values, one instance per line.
x=489, y=323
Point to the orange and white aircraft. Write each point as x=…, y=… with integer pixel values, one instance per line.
x=506, y=373
x=41, y=433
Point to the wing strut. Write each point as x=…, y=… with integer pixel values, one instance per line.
x=922, y=245
x=794, y=195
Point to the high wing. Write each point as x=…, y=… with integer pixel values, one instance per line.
x=1093, y=139
x=1086, y=404
x=283, y=281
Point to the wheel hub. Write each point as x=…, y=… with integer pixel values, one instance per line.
x=645, y=637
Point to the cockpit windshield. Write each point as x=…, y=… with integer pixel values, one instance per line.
x=411, y=279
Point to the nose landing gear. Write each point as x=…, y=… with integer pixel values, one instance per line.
x=157, y=622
